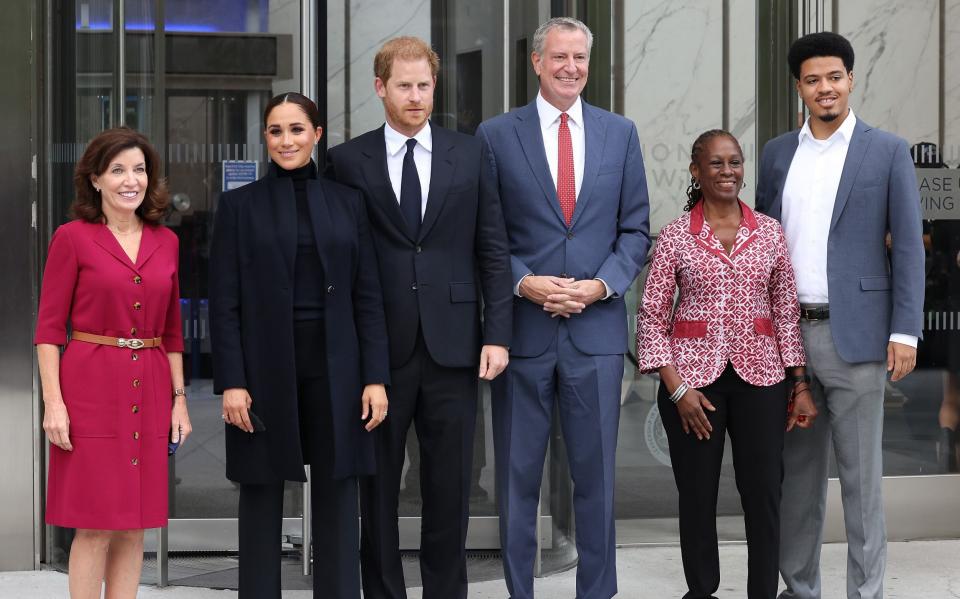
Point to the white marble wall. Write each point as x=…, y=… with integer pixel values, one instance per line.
x=951, y=142
x=896, y=78
x=743, y=88
x=372, y=22
x=674, y=85
x=673, y=73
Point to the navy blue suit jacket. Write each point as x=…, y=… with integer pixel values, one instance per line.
x=607, y=239
x=873, y=292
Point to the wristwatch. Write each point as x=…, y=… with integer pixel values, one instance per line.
x=179, y=392
x=800, y=378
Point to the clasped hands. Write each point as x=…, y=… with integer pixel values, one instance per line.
x=562, y=297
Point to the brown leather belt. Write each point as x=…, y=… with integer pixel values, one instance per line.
x=116, y=341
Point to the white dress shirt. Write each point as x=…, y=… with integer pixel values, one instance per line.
x=422, y=155
x=809, y=194
x=550, y=127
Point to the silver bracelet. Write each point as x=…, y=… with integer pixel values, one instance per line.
x=679, y=392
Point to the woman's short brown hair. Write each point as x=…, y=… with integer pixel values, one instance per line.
x=96, y=159
x=405, y=48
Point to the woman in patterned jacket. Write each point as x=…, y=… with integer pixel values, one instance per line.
x=730, y=359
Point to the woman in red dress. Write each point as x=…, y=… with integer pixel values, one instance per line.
x=723, y=352
x=115, y=396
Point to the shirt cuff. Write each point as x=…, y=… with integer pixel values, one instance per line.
x=904, y=339
x=609, y=293
x=516, y=288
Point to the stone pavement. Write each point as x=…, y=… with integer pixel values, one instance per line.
x=915, y=570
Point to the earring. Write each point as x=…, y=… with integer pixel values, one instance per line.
x=96, y=188
x=696, y=184
x=743, y=184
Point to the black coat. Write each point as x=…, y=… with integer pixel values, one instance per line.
x=435, y=281
x=251, y=314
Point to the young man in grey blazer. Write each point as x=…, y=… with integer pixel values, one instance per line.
x=839, y=187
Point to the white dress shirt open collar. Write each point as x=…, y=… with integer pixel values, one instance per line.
x=809, y=193
x=845, y=130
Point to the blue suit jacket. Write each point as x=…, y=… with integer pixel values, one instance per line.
x=609, y=235
x=873, y=291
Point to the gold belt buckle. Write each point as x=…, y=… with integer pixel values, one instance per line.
x=131, y=343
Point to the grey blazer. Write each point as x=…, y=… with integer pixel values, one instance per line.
x=874, y=292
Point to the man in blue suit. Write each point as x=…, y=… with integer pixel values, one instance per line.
x=571, y=182
x=839, y=187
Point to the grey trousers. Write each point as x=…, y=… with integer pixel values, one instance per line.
x=849, y=398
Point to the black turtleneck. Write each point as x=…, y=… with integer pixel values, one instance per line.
x=308, y=277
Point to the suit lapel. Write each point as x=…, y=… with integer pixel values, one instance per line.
x=319, y=217
x=781, y=169
x=284, y=211
x=531, y=140
x=595, y=131
x=442, y=166
x=374, y=169
x=859, y=143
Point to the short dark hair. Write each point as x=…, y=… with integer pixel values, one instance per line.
x=87, y=204
x=308, y=106
x=824, y=43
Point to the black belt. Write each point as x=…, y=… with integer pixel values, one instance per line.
x=820, y=313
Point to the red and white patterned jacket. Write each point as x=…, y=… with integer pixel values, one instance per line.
x=740, y=307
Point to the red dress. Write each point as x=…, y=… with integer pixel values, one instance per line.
x=118, y=400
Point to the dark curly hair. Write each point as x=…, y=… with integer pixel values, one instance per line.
x=96, y=160
x=694, y=193
x=824, y=43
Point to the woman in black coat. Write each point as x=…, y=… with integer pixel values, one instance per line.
x=299, y=352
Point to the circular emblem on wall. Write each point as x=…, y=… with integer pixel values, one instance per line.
x=656, y=437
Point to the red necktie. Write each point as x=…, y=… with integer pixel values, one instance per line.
x=566, y=182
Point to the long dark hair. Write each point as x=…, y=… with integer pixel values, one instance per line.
x=695, y=193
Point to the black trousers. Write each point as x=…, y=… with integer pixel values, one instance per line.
x=442, y=403
x=755, y=418
x=336, y=570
